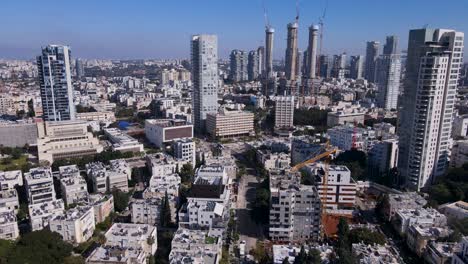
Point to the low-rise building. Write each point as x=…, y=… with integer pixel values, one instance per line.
x=146, y=211
x=346, y=137
x=271, y=160
x=346, y=115
x=105, y=179
x=371, y=254
x=195, y=246
x=460, y=255
x=66, y=139
x=122, y=142
x=418, y=236
x=74, y=188
x=295, y=208
x=439, y=252
x=8, y=225
x=161, y=164
x=382, y=157
x=184, y=149
x=126, y=235
x=39, y=185
x=40, y=214
x=18, y=133
x=76, y=225
x=121, y=166
x=117, y=255
x=160, y=131
x=9, y=200
x=103, y=206
x=160, y=185
x=457, y=210
x=199, y=214
x=289, y=252
x=303, y=149
x=10, y=179
x=424, y=217
x=102, y=116
x=227, y=123
x=96, y=172
x=407, y=200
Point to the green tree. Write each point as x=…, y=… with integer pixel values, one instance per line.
x=260, y=253
x=313, y=257
x=121, y=200
x=365, y=236
x=74, y=260
x=186, y=173
x=285, y=261
x=41, y=246
x=6, y=246
x=301, y=258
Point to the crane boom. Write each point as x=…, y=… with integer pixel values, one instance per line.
x=313, y=159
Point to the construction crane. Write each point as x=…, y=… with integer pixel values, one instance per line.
x=265, y=14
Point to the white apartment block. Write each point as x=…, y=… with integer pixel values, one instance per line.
x=199, y=214
x=8, y=225
x=66, y=139
x=382, y=157
x=76, y=225
x=224, y=123
x=9, y=200
x=40, y=214
x=433, y=64
x=72, y=184
x=349, y=114
x=102, y=116
x=295, y=208
x=184, y=149
x=39, y=185
x=425, y=217
x=160, y=185
x=103, y=206
x=212, y=171
x=195, y=246
x=121, y=166
x=284, y=112
x=343, y=137
x=133, y=235
x=117, y=255
x=160, y=131
x=460, y=126
x=96, y=172
x=9, y=179
x=105, y=179
x=341, y=188
x=370, y=254
x=161, y=164
x=122, y=142
x=146, y=211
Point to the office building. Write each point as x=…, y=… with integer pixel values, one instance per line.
x=325, y=63
x=56, y=83
x=339, y=66
x=391, y=45
x=160, y=131
x=388, y=71
x=372, y=53
x=284, y=112
x=39, y=185
x=79, y=68
x=66, y=139
x=227, y=123
x=205, y=78
x=76, y=225
x=291, y=52
x=238, y=65
x=356, y=67
x=430, y=87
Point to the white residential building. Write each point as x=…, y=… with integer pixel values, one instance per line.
x=344, y=136
x=433, y=66
x=105, y=179
x=9, y=200
x=348, y=114
x=159, y=185
x=372, y=254
x=9, y=179
x=284, y=112
x=199, y=213
x=40, y=214
x=39, y=185
x=146, y=211
x=195, y=246
x=73, y=185
x=161, y=164
x=184, y=149
x=133, y=236
x=8, y=225
x=76, y=225
x=424, y=217
x=103, y=206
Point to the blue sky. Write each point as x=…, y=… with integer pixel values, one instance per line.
x=162, y=29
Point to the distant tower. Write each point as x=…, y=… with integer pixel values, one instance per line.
x=261, y=59
x=391, y=45
x=356, y=66
x=372, y=52
x=269, y=33
x=238, y=65
x=253, y=65
x=79, y=67
x=427, y=104
x=291, y=51
x=339, y=66
x=204, y=57
x=312, y=52
x=55, y=83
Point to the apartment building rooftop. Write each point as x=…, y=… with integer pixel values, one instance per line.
x=70, y=170
x=376, y=253
x=117, y=254
x=38, y=174
x=7, y=217
x=10, y=175
x=119, y=231
x=167, y=122
x=46, y=208
x=74, y=213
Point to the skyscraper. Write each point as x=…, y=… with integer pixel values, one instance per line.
x=238, y=65
x=391, y=44
x=204, y=57
x=261, y=59
x=356, y=65
x=291, y=52
x=388, y=80
x=430, y=87
x=269, y=33
x=253, y=68
x=55, y=83
x=372, y=52
x=325, y=66
x=79, y=67
x=312, y=52
x=339, y=66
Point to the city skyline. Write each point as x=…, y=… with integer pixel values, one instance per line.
x=139, y=31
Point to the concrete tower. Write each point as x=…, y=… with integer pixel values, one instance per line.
x=312, y=52
x=291, y=52
x=269, y=33
x=372, y=53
